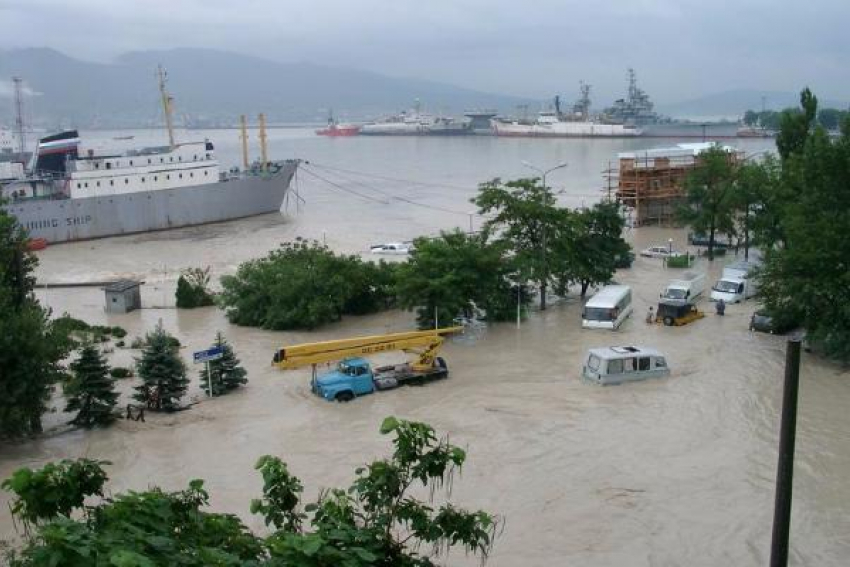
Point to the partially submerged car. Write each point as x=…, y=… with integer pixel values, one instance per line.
x=763, y=322
x=659, y=252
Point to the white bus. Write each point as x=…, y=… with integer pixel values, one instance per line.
x=608, y=308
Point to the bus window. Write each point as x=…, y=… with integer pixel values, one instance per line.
x=643, y=364
x=629, y=364
x=615, y=366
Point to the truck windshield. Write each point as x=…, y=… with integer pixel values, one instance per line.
x=675, y=293
x=724, y=286
x=598, y=314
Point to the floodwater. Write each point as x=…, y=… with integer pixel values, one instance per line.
x=678, y=471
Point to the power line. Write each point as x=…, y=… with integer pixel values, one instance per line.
x=341, y=188
x=387, y=178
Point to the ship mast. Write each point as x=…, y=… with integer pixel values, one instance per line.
x=167, y=105
x=19, y=113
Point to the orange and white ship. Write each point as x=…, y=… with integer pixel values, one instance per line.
x=336, y=129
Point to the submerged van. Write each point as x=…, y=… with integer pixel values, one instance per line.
x=618, y=364
x=608, y=308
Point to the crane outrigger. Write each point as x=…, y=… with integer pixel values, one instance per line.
x=354, y=375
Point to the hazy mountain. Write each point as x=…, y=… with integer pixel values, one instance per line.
x=734, y=103
x=215, y=86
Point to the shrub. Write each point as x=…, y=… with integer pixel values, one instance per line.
x=684, y=261
x=119, y=372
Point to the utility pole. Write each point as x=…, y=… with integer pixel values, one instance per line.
x=785, y=467
x=19, y=113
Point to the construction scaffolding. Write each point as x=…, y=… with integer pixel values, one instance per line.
x=652, y=182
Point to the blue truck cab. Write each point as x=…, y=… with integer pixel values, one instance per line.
x=352, y=377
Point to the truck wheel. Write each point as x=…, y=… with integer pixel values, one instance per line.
x=441, y=362
x=668, y=321
x=346, y=396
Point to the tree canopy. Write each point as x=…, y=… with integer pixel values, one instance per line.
x=162, y=372
x=453, y=274
x=303, y=285
x=91, y=390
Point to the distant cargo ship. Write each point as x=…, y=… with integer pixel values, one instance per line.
x=77, y=195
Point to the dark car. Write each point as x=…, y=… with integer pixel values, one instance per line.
x=623, y=261
x=764, y=322
x=699, y=239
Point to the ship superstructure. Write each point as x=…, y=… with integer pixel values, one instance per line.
x=636, y=108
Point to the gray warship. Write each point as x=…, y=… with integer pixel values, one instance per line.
x=72, y=193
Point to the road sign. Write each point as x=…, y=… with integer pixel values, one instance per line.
x=213, y=353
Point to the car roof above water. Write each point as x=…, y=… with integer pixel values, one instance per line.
x=624, y=352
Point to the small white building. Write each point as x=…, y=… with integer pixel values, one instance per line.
x=123, y=296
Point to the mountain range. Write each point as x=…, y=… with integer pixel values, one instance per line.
x=212, y=88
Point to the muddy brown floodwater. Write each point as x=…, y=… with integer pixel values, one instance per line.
x=678, y=471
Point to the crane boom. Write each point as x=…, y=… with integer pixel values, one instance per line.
x=424, y=343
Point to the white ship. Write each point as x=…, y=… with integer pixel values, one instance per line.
x=575, y=124
x=550, y=125
x=414, y=122
x=77, y=193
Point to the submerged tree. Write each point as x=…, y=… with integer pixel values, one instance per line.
x=162, y=372
x=523, y=217
x=193, y=288
x=710, y=190
x=91, y=391
x=225, y=374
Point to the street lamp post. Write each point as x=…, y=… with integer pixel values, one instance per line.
x=543, y=173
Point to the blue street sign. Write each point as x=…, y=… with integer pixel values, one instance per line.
x=213, y=353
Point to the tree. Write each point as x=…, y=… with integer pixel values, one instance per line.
x=303, y=285
x=225, y=372
x=30, y=348
x=795, y=125
x=453, y=274
x=524, y=218
x=162, y=372
x=376, y=522
x=594, y=246
x=709, y=193
x=193, y=288
x=91, y=391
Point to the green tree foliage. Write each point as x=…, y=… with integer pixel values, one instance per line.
x=91, y=390
x=709, y=196
x=795, y=125
x=30, y=347
x=453, y=274
x=226, y=373
x=303, y=285
x=193, y=288
x=375, y=523
x=162, y=372
x=832, y=118
x=806, y=276
x=55, y=490
x=524, y=219
x=593, y=245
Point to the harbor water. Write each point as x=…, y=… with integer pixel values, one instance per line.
x=675, y=471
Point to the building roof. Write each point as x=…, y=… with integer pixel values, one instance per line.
x=122, y=285
x=679, y=150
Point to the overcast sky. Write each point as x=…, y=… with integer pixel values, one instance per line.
x=680, y=48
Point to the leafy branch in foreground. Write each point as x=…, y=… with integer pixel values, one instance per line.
x=375, y=522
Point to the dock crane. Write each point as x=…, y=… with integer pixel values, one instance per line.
x=354, y=376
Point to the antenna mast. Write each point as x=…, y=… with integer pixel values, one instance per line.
x=19, y=113
x=167, y=104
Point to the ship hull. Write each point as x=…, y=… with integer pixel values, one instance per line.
x=565, y=130
x=66, y=220
x=339, y=131
x=695, y=130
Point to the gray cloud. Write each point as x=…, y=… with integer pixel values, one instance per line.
x=681, y=48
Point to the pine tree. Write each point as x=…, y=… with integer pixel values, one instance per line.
x=162, y=372
x=226, y=373
x=91, y=391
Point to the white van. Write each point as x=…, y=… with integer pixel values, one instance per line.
x=618, y=364
x=608, y=308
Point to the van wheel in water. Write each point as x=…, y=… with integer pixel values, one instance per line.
x=668, y=321
x=344, y=396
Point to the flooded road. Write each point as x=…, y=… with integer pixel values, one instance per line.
x=678, y=471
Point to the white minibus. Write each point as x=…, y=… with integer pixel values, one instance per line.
x=608, y=308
